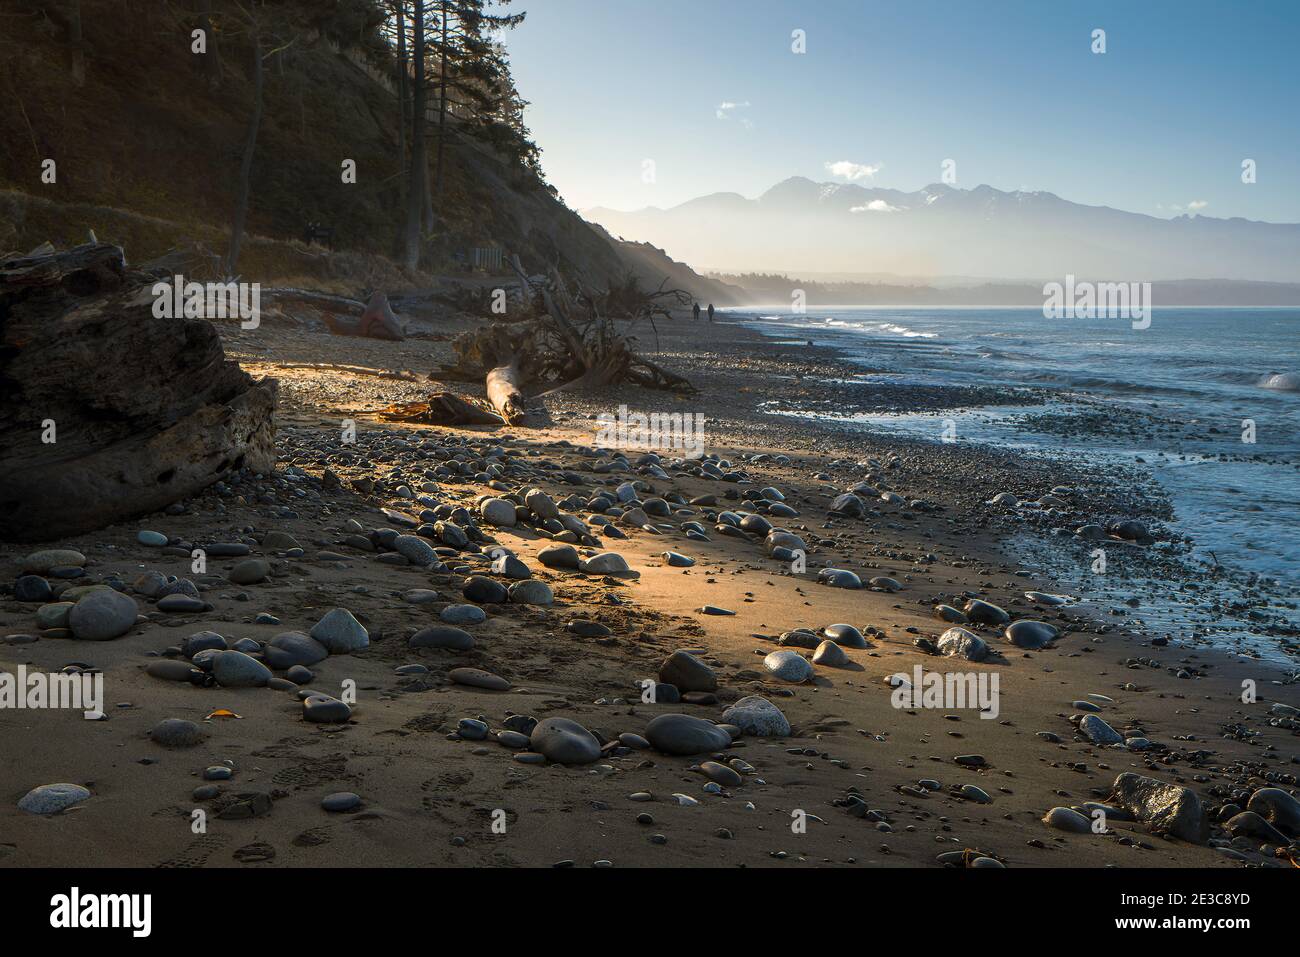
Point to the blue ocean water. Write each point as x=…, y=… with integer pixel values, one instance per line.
x=1214, y=371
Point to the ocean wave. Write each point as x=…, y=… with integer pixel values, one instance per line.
x=906, y=332
x=1281, y=381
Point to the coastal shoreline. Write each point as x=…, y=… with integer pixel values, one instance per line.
x=429, y=794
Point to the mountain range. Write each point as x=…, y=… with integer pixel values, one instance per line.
x=983, y=233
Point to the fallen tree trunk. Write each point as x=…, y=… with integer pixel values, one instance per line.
x=558, y=350
x=504, y=394
x=106, y=410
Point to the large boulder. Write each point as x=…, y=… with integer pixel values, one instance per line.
x=1163, y=808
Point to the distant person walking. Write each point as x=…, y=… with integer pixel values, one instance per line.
x=695, y=311
x=710, y=312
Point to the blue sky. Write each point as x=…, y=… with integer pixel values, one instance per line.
x=1160, y=123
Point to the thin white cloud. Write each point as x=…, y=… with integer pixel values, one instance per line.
x=727, y=107
x=1198, y=204
x=875, y=206
x=1192, y=207
x=853, y=171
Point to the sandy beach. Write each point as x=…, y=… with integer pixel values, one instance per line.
x=857, y=781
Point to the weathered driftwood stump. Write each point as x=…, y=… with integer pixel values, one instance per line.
x=143, y=411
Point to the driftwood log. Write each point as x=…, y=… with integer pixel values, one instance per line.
x=572, y=343
x=107, y=411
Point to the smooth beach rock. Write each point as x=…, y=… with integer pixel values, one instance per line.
x=634, y=517
x=202, y=641
x=755, y=525
x=513, y=740
x=846, y=636
x=1250, y=824
x=1130, y=530
x=885, y=583
x=564, y=741
x=250, y=572
x=714, y=610
x=52, y=798
x=41, y=562
x=462, y=615
x=788, y=666
x=1278, y=808
x=102, y=616
x=176, y=733
x=322, y=709
x=340, y=802
x=531, y=591
x=54, y=615
x=181, y=604
x=588, y=629
x=560, y=556
x=451, y=535
x=442, y=636
x=606, y=563
x=950, y=614
x=721, y=774
x=779, y=539
x=508, y=566
x=32, y=588
x=234, y=669
x=1163, y=808
x=340, y=633
x=498, y=512
x=1031, y=635
x=986, y=613
x=478, y=678
x=960, y=643
x=831, y=655
x=277, y=541
x=687, y=673
x=291, y=648
x=1098, y=731
x=849, y=505
x=799, y=638
x=415, y=550
x=541, y=504
x=657, y=507
x=484, y=591
x=684, y=734
x=1067, y=819
x=839, y=578
x=168, y=669
x=677, y=560
x=756, y=715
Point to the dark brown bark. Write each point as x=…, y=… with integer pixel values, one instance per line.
x=246, y=163
x=442, y=106
x=418, y=188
